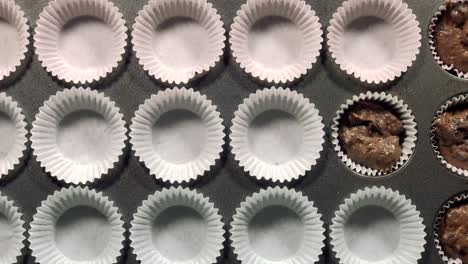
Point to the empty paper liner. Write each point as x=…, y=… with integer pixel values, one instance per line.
x=374, y=40
x=12, y=231
x=78, y=135
x=377, y=225
x=178, y=134
x=277, y=134
x=177, y=40
x=277, y=225
x=77, y=225
x=80, y=41
x=407, y=140
x=13, y=130
x=177, y=225
x=14, y=31
x=276, y=41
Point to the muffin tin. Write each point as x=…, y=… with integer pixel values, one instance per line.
x=424, y=88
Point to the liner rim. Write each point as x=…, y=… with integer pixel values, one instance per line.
x=406, y=117
x=23, y=32
x=271, y=76
x=314, y=230
x=159, y=201
x=104, y=70
x=450, y=68
x=13, y=214
x=139, y=43
x=91, y=198
x=19, y=148
x=453, y=101
x=401, y=206
x=439, y=217
x=331, y=35
x=94, y=171
x=141, y=125
x=297, y=166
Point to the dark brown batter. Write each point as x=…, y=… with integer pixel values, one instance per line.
x=451, y=36
x=452, y=137
x=370, y=135
x=453, y=233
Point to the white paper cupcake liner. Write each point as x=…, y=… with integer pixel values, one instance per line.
x=432, y=29
x=287, y=36
x=13, y=236
x=176, y=40
x=405, y=116
x=80, y=41
x=14, y=41
x=272, y=116
x=177, y=225
x=458, y=199
x=13, y=129
x=384, y=36
x=78, y=135
x=453, y=102
x=54, y=214
x=377, y=225
x=178, y=134
x=277, y=225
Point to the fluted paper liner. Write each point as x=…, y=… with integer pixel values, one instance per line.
x=453, y=102
x=12, y=156
x=56, y=16
x=295, y=11
x=42, y=232
x=432, y=30
x=157, y=106
x=45, y=130
x=404, y=114
x=406, y=35
x=411, y=238
x=16, y=237
x=289, y=102
x=456, y=200
x=143, y=221
x=12, y=14
x=313, y=231
x=156, y=14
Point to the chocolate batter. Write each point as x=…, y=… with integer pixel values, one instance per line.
x=452, y=137
x=451, y=36
x=453, y=233
x=370, y=135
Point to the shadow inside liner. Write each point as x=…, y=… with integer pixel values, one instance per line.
x=275, y=136
x=6, y=235
x=82, y=233
x=372, y=233
x=275, y=42
x=179, y=136
x=86, y=42
x=181, y=42
x=8, y=132
x=276, y=232
x=369, y=42
x=83, y=136
x=179, y=233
